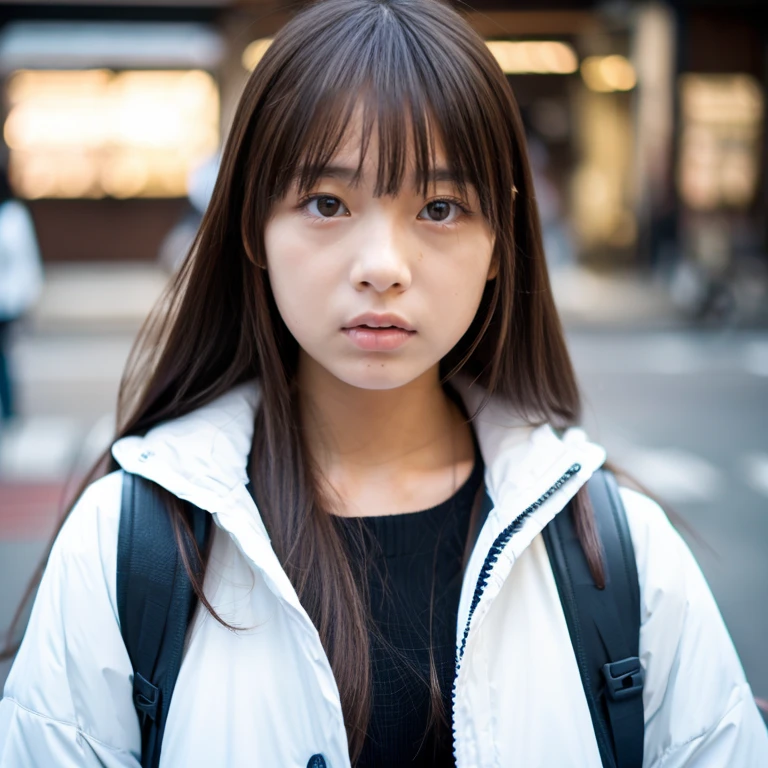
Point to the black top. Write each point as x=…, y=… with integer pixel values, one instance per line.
x=409, y=556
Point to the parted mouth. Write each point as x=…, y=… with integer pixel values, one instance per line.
x=374, y=321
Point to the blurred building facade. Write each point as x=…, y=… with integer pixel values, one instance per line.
x=646, y=120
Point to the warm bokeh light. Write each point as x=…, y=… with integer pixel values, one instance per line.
x=535, y=57
x=602, y=210
x=254, y=51
x=95, y=132
x=725, y=99
x=721, y=118
x=608, y=73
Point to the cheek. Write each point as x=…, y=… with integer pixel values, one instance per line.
x=457, y=287
x=286, y=251
x=289, y=267
x=293, y=269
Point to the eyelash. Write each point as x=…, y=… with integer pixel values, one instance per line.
x=465, y=211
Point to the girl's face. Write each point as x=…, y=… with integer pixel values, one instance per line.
x=376, y=290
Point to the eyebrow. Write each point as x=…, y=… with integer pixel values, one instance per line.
x=434, y=175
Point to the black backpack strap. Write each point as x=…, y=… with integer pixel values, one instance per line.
x=155, y=601
x=604, y=624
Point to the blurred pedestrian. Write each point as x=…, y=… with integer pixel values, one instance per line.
x=350, y=517
x=177, y=243
x=21, y=279
x=558, y=241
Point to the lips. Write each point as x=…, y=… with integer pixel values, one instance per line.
x=378, y=332
x=374, y=321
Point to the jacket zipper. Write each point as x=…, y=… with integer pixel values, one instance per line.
x=496, y=549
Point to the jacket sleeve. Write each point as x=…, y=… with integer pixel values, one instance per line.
x=68, y=699
x=699, y=709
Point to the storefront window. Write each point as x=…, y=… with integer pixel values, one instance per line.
x=99, y=133
x=720, y=140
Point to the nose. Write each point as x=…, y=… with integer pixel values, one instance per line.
x=382, y=261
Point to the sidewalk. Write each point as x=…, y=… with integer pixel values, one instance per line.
x=613, y=301
x=96, y=298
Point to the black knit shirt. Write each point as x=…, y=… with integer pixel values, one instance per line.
x=409, y=556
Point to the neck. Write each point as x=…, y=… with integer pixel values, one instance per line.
x=396, y=440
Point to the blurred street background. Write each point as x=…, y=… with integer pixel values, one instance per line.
x=646, y=123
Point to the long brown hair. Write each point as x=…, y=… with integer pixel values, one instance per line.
x=419, y=71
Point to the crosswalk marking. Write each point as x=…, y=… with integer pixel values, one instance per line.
x=46, y=360
x=39, y=448
x=675, y=475
x=52, y=447
x=671, y=354
x=756, y=468
x=756, y=358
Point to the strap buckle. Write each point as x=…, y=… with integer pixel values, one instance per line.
x=624, y=679
x=146, y=697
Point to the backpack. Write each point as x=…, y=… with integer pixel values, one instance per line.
x=155, y=604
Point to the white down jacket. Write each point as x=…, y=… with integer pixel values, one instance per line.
x=265, y=697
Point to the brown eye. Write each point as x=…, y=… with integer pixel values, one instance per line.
x=325, y=206
x=445, y=211
x=439, y=210
x=328, y=206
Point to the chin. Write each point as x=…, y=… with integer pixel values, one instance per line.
x=375, y=376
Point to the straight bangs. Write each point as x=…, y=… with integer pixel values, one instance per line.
x=411, y=87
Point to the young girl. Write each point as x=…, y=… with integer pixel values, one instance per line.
x=362, y=344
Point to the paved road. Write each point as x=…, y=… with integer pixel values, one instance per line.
x=688, y=416
x=686, y=413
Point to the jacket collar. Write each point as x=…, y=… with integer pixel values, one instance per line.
x=524, y=462
x=202, y=458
